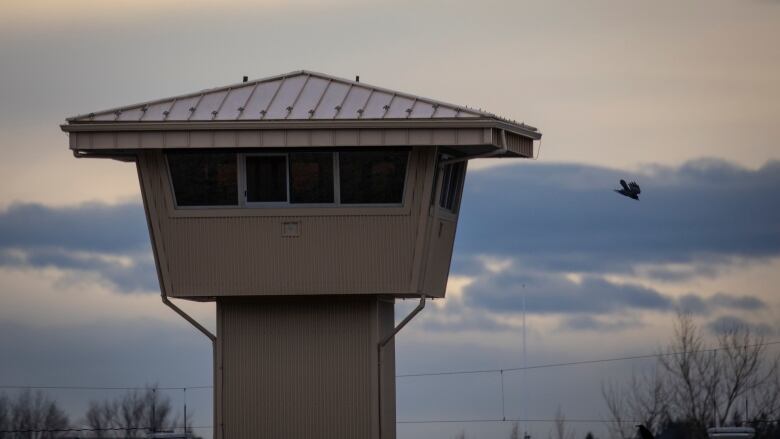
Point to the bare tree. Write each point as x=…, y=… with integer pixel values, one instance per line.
x=5, y=423
x=31, y=416
x=515, y=434
x=559, y=423
x=698, y=387
x=131, y=415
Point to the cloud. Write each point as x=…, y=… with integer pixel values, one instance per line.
x=695, y=304
x=109, y=241
x=729, y=323
x=585, y=302
x=90, y=227
x=565, y=218
x=553, y=293
x=591, y=323
x=555, y=219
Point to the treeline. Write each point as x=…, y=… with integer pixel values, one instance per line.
x=695, y=387
x=134, y=414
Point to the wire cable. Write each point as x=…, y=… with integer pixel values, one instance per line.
x=577, y=363
x=80, y=430
x=424, y=374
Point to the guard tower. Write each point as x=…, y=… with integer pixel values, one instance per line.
x=304, y=205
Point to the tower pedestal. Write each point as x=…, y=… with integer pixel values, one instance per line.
x=305, y=367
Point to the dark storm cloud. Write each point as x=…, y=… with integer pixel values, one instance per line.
x=566, y=217
x=108, y=240
x=729, y=323
x=88, y=227
x=591, y=323
x=552, y=293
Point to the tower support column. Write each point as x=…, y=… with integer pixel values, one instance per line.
x=305, y=367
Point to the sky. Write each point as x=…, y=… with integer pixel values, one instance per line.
x=682, y=96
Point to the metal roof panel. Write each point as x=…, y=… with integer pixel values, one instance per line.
x=208, y=107
x=282, y=103
x=234, y=102
x=309, y=98
x=400, y=107
x=354, y=103
x=375, y=107
x=257, y=105
x=182, y=109
x=335, y=95
x=300, y=95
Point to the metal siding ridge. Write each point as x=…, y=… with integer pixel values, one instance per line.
x=387, y=106
x=264, y=111
x=287, y=93
x=344, y=99
x=242, y=108
x=291, y=107
x=167, y=112
x=319, y=101
x=363, y=108
x=219, y=108
x=194, y=108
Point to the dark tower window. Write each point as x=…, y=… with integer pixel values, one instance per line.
x=204, y=179
x=266, y=178
x=452, y=177
x=372, y=177
x=311, y=177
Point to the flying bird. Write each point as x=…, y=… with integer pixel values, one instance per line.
x=644, y=433
x=631, y=190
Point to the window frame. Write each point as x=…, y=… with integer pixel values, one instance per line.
x=246, y=208
x=172, y=188
x=457, y=191
x=243, y=201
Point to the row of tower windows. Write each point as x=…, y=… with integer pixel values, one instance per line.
x=279, y=179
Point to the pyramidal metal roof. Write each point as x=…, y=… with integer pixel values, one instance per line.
x=295, y=96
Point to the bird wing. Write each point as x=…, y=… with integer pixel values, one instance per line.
x=625, y=186
x=635, y=188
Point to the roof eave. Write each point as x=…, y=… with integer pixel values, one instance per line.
x=319, y=124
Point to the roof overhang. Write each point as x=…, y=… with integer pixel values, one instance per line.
x=299, y=109
x=466, y=137
x=519, y=129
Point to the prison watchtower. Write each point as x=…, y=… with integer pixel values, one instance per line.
x=303, y=205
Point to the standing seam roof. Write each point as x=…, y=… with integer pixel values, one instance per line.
x=300, y=95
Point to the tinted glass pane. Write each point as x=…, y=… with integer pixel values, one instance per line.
x=372, y=176
x=204, y=179
x=311, y=177
x=452, y=182
x=266, y=178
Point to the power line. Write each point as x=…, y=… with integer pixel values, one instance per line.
x=453, y=421
x=18, y=387
x=424, y=374
x=81, y=430
x=578, y=363
x=608, y=421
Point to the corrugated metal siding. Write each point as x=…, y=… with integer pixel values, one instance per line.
x=248, y=255
x=520, y=145
x=272, y=138
x=440, y=247
x=224, y=252
x=300, y=367
x=386, y=322
x=298, y=95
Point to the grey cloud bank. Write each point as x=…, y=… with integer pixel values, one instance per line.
x=564, y=218
x=111, y=241
x=555, y=219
